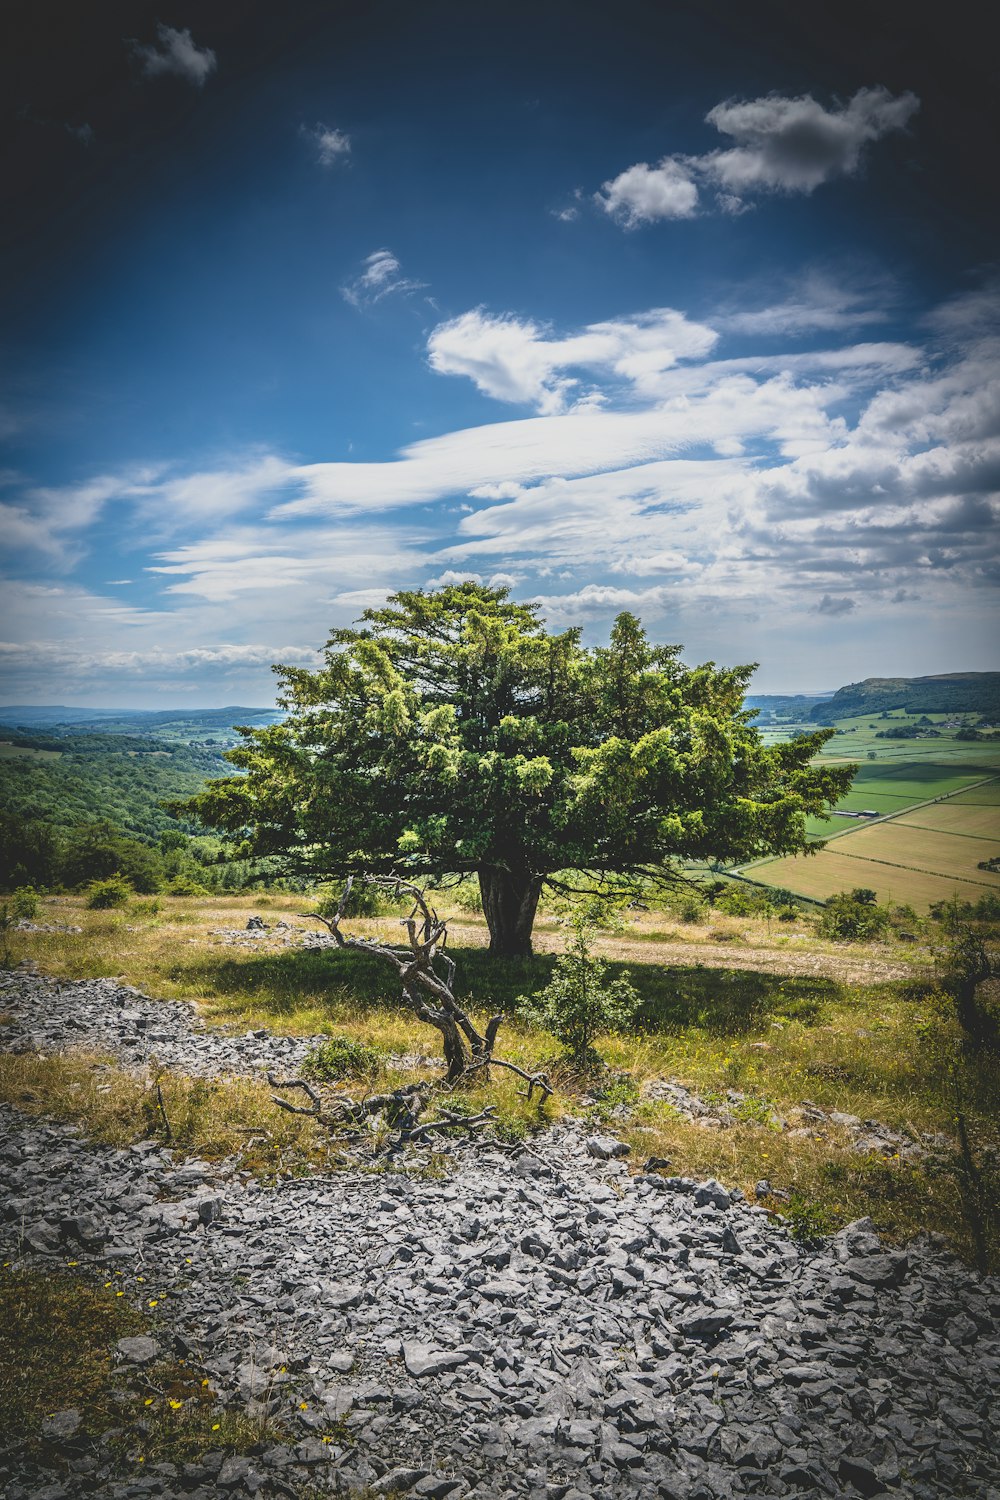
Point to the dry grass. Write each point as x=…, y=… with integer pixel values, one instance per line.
x=213, y=1119
x=57, y=1338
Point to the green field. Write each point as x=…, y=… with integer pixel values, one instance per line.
x=938, y=798
x=893, y=788
x=13, y=752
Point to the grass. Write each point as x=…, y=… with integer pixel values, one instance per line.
x=212, y=1119
x=881, y=1051
x=57, y=1338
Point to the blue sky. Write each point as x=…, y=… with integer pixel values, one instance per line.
x=667, y=308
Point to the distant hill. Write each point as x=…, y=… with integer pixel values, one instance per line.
x=955, y=692
x=784, y=706
x=184, y=723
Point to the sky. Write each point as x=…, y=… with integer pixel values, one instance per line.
x=687, y=309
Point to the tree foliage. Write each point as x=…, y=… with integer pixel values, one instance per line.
x=450, y=732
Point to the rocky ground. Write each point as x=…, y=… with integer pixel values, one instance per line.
x=542, y=1325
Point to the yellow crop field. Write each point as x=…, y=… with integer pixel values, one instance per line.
x=824, y=874
x=956, y=817
x=924, y=849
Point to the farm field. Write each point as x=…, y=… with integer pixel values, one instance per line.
x=894, y=788
x=981, y=796
x=940, y=798
x=972, y=820
x=818, y=876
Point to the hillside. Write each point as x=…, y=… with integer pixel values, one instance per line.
x=954, y=692
x=178, y=723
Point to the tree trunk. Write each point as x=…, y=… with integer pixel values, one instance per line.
x=510, y=900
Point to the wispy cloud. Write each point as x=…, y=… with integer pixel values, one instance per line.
x=780, y=145
x=175, y=52
x=333, y=147
x=381, y=275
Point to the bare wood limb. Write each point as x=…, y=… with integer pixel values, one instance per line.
x=534, y=1081
x=427, y=976
x=453, y=1121
x=295, y=1083
x=161, y=1105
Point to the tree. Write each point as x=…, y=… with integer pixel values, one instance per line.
x=450, y=733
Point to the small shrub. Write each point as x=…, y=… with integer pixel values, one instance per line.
x=24, y=904
x=745, y=901
x=753, y=1111
x=690, y=909
x=146, y=908
x=364, y=901
x=104, y=894
x=854, y=915
x=579, y=1003
x=788, y=914
x=185, y=885
x=467, y=897
x=808, y=1222
x=619, y=1092
x=342, y=1057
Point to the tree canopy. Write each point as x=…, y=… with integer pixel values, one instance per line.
x=451, y=732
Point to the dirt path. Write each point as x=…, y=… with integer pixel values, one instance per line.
x=848, y=968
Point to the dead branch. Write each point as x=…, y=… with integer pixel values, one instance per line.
x=427, y=975
x=295, y=1083
x=450, y=1120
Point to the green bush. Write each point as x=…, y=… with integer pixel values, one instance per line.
x=854, y=915
x=467, y=897
x=103, y=894
x=745, y=901
x=186, y=885
x=24, y=904
x=808, y=1222
x=579, y=1003
x=342, y=1057
x=364, y=901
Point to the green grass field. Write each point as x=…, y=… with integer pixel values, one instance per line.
x=942, y=797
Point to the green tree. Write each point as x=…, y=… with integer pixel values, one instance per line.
x=450, y=733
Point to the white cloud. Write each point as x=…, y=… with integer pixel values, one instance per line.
x=816, y=305
x=333, y=147
x=520, y=361
x=381, y=276
x=835, y=484
x=781, y=144
x=451, y=576
x=176, y=53
x=642, y=194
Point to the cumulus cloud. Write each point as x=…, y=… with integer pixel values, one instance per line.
x=780, y=145
x=642, y=194
x=176, y=52
x=521, y=361
x=333, y=147
x=381, y=275
x=794, y=145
